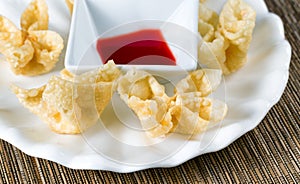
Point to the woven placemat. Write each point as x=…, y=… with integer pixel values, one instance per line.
x=270, y=153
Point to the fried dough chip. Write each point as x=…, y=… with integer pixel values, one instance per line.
x=147, y=98
x=32, y=50
x=208, y=23
x=192, y=113
x=68, y=107
x=10, y=36
x=35, y=17
x=213, y=54
x=227, y=47
x=153, y=115
x=203, y=81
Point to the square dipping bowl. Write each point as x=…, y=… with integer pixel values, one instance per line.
x=134, y=23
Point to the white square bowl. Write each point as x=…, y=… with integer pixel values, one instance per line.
x=94, y=19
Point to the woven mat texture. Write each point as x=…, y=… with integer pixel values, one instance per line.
x=268, y=154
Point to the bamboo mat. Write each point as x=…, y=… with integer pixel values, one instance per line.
x=268, y=154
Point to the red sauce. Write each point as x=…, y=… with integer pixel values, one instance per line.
x=145, y=47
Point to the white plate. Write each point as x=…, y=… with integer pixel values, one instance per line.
x=250, y=93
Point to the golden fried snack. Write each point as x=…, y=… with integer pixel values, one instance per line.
x=69, y=107
x=226, y=43
x=70, y=4
x=188, y=112
x=203, y=81
x=237, y=22
x=192, y=113
x=106, y=73
x=35, y=17
x=33, y=50
x=191, y=110
x=37, y=55
x=213, y=53
x=147, y=98
x=207, y=23
x=10, y=36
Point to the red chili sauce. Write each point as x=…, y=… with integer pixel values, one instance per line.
x=145, y=47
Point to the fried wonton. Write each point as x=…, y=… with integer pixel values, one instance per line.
x=147, y=98
x=35, y=16
x=33, y=50
x=191, y=110
x=106, y=73
x=192, y=113
x=187, y=112
x=226, y=43
x=207, y=23
x=204, y=81
x=237, y=22
x=70, y=106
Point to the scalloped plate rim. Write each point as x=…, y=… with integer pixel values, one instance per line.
x=16, y=140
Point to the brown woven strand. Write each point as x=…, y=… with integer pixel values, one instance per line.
x=268, y=154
